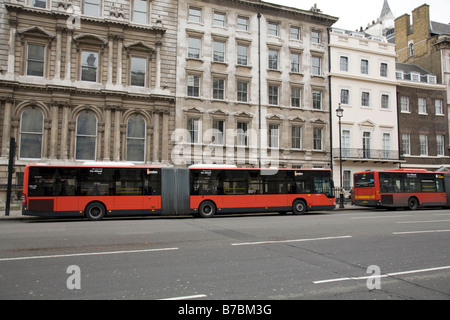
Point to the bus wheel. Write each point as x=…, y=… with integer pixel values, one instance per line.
x=299, y=207
x=413, y=204
x=207, y=209
x=95, y=211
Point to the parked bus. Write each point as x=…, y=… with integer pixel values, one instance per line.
x=95, y=191
x=401, y=188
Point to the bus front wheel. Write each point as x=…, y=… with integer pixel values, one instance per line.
x=207, y=209
x=299, y=207
x=413, y=204
x=95, y=211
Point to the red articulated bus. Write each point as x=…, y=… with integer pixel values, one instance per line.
x=402, y=188
x=96, y=191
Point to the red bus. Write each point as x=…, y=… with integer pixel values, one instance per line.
x=401, y=188
x=98, y=191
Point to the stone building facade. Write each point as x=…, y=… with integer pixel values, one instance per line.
x=245, y=65
x=87, y=81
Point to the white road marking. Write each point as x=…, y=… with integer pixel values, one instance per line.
x=424, y=221
x=375, y=217
x=197, y=296
x=424, y=231
x=287, y=241
x=86, y=254
x=383, y=275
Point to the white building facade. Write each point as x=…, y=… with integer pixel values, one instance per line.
x=363, y=83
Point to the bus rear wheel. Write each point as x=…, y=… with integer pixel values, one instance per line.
x=413, y=204
x=95, y=211
x=207, y=209
x=299, y=207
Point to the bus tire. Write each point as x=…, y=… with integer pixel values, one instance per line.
x=95, y=211
x=413, y=203
x=207, y=209
x=299, y=207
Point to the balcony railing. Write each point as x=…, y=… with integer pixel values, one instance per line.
x=367, y=154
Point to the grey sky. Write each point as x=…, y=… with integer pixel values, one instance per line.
x=354, y=14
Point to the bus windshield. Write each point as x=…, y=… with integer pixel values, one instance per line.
x=365, y=179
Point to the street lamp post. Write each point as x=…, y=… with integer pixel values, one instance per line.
x=340, y=114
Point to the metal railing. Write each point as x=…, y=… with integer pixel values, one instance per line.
x=367, y=154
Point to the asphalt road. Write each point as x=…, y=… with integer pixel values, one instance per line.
x=354, y=254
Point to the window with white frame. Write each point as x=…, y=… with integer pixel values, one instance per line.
x=365, y=99
x=218, y=89
x=295, y=62
x=404, y=104
x=316, y=66
x=294, y=33
x=136, y=130
x=383, y=69
x=318, y=139
x=422, y=102
x=296, y=97
x=346, y=143
x=242, y=23
x=347, y=180
x=31, y=133
x=194, y=47
x=386, y=145
x=242, y=134
x=274, y=136
x=218, y=132
x=317, y=99
x=89, y=66
x=35, y=60
x=39, y=3
x=92, y=8
x=193, y=84
x=343, y=63
x=138, y=71
x=297, y=137
x=220, y=19
x=86, y=136
x=274, y=95
x=423, y=145
x=140, y=11
x=195, y=15
x=219, y=51
x=406, y=144
x=440, y=145
x=345, y=96
x=273, y=59
x=193, y=127
x=316, y=37
x=272, y=29
x=439, y=107
x=242, y=91
x=385, y=101
x=242, y=54
x=364, y=66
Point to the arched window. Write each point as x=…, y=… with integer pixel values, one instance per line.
x=31, y=132
x=136, y=138
x=86, y=139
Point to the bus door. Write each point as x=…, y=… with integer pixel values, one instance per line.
x=175, y=191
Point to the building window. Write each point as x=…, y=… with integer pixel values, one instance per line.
x=274, y=136
x=31, y=133
x=219, y=132
x=365, y=99
x=317, y=66
x=242, y=134
x=439, y=107
x=39, y=3
x=273, y=95
x=345, y=96
x=140, y=11
x=86, y=136
x=344, y=63
x=364, y=66
x=138, y=71
x=411, y=49
x=386, y=145
x=296, y=97
x=383, y=69
x=136, y=138
x=195, y=15
x=219, y=51
x=295, y=62
x=406, y=144
x=317, y=139
x=422, y=102
x=316, y=37
x=273, y=29
x=440, y=144
x=193, y=126
x=404, y=104
x=347, y=180
x=242, y=23
x=273, y=59
x=219, y=19
x=384, y=101
x=367, y=142
x=35, y=60
x=296, y=137
x=294, y=33
x=194, y=47
x=242, y=91
x=193, y=86
x=242, y=54
x=92, y=8
x=346, y=143
x=317, y=100
x=218, y=89
x=423, y=140
x=89, y=66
